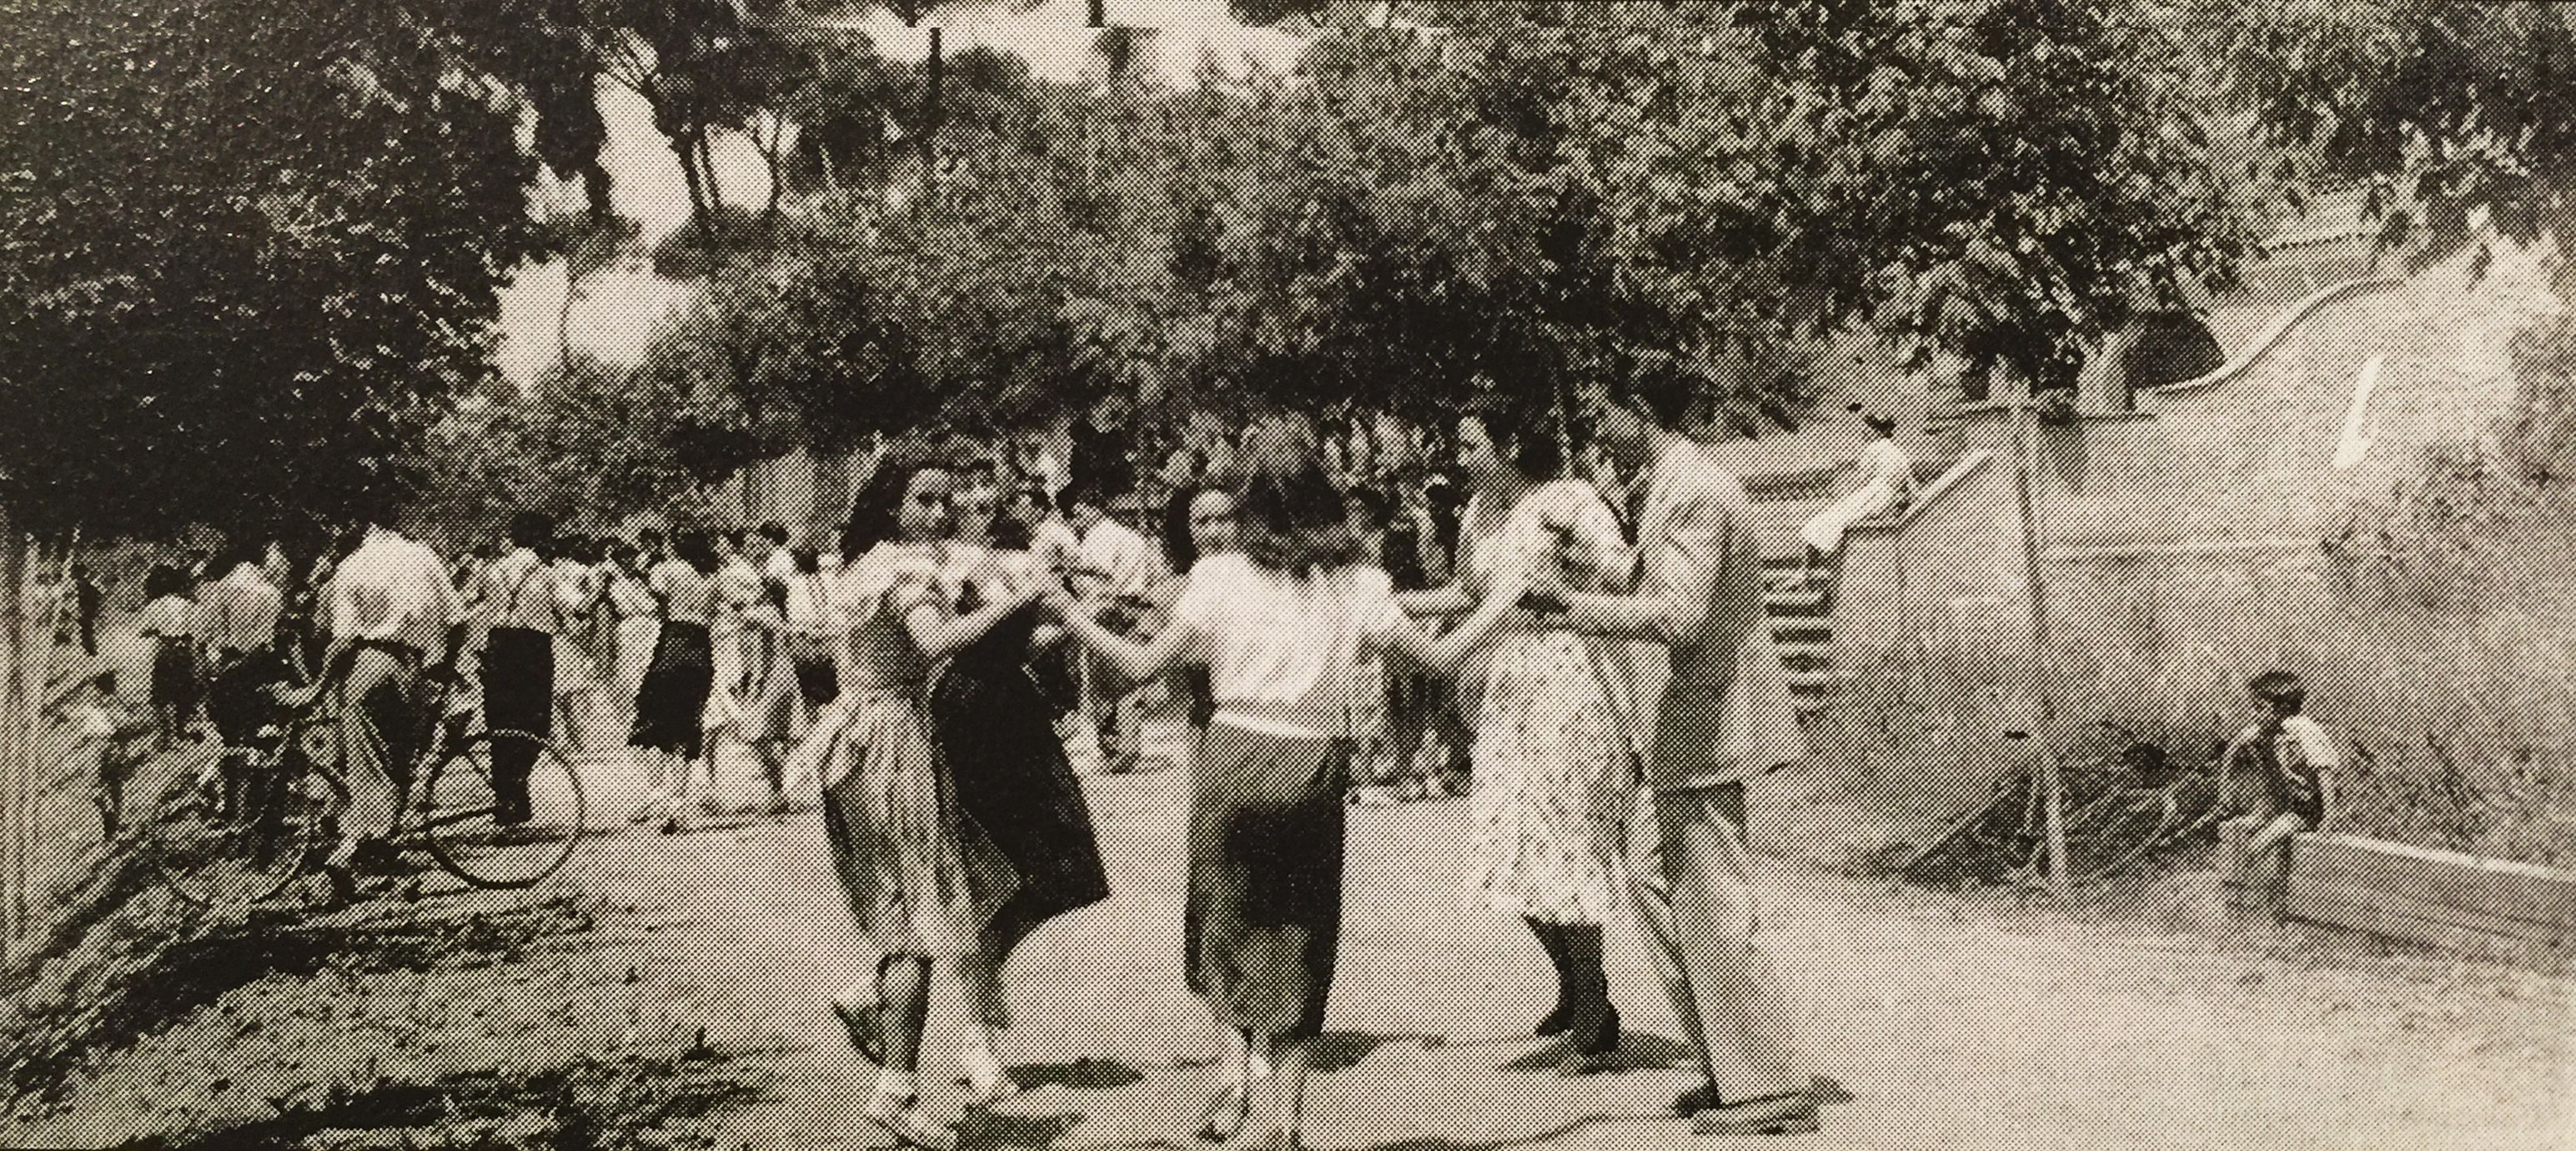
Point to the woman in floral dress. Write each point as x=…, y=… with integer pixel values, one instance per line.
x=1555, y=780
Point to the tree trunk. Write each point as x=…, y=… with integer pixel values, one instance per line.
x=596, y=183
x=698, y=213
x=931, y=111
x=707, y=169
x=17, y=723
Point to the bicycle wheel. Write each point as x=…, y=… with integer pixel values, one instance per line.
x=283, y=812
x=464, y=825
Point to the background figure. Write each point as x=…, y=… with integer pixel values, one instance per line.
x=1115, y=562
x=638, y=626
x=170, y=620
x=1886, y=485
x=758, y=701
x=673, y=697
x=521, y=603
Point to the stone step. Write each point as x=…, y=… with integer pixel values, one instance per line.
x=1811, y=681
x=1802, y=629
x=1795, y=603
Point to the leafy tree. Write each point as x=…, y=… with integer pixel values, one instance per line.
x=249, y=249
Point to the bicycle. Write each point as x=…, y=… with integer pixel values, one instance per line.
x=244, y=834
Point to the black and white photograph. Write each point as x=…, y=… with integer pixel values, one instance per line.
x=1265, y=575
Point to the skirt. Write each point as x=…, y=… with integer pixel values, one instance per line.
x=519, y=681
x=921, y=878
x=673, y=697
x=997, y=734
x=1262, y=925
x=174, y=676
x=1549, y=816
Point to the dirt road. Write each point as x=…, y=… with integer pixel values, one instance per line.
x=1950, y=1024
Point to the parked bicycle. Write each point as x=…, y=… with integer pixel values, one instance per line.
x=244, y=834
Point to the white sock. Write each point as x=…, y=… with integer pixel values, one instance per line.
x=899, y=1084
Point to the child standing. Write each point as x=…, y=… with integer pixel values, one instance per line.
x=170, y=620
x=110, y=729
x=2276, y=780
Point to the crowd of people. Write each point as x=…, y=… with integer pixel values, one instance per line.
x=1599, y=642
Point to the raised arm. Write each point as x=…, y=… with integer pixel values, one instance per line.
x=1441, y=601
x=940, y=635
x=1136, y=661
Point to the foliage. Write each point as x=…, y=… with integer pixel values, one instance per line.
x=588, y=437
x=247, y=250
x=2442, y=110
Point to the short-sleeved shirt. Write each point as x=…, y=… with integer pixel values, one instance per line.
x=1286, y=656
x=392, y=590
x=169, y=617
x=1115, y=551
x=2294, y=772
x=241, y=610
x=687, y=596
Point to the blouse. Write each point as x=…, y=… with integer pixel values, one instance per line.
x=687, y=596
x=169, y=617
x=1285, y=655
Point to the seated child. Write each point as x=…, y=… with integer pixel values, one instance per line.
x=2278, y=778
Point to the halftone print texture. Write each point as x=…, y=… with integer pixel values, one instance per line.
x=1844, y=471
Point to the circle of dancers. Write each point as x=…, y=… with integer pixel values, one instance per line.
x=1604, y=630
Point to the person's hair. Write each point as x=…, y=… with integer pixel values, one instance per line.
x=164, y=579
x=876, y=513
x=733, y=538
x=806, y=561
x=1662, y=390
x=696, y=549
x=619, y=550
x=1037, y=494
x=532, y=530
x=79, y=570
x=648, y=537
x=1523, y=429
x=2279, y=688
x=1010, y=533
x=104, y=681
x=1091, y=492
x=774, y=592
x=1880, y=424
x=774, y=532
x=1180, y=548
x=1373, y=504
x=1288, y=516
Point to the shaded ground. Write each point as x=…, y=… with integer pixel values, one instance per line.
x=690, y=973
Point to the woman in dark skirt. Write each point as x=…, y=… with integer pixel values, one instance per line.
x=670, y=708
x=1282, y=627
x=997, y=732
x=170, y=621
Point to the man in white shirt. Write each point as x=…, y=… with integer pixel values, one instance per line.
x=241, y=609
x=1110, y=559
x=240, y=614
x=521, y=605
x=776, y=563
x=392, y=609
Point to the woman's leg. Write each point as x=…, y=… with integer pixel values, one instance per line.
x=1593, y=1022
x=903, y=1011
x=1280, y=1098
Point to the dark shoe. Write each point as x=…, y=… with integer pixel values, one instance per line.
x=1792, y=1114
x=1595, y=1046
x=865, y=1025
x=376, y=857
x=1697, y=1099
x=1558, y=1020
x=1225, y=1114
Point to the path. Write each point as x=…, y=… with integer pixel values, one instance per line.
x=1951, y=1025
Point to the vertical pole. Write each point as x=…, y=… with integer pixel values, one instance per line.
x=2052, y=788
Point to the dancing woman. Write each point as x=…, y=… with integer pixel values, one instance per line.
x=996, y=732
x=1554, y=781
x=922, y=878
x=1282, y=627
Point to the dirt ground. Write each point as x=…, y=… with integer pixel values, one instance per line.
x=678, y=984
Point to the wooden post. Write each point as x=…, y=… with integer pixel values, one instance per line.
x=2043, y=742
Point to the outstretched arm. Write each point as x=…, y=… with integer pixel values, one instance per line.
x=1136, y=661
x=1443, y=655
x=1682, y=562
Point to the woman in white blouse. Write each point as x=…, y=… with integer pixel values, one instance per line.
x=1282, y=627
x=1886, y=485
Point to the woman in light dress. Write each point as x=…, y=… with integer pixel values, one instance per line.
x=922, y=878
x=1886, y=485
x=636, y=622
x=1554, y=778
x=1284, y=626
